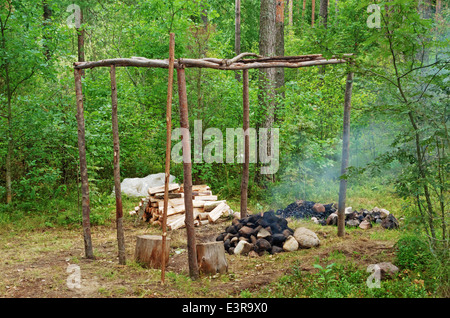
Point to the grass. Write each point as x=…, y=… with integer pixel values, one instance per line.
x=36, y=248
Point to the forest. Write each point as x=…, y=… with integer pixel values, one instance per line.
x=397, y=60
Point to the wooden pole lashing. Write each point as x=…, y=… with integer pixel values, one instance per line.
x=117, y=187
x=168, y=148
x=345, y=154
x=89, y=253
x=246, y=124
x=187, y=174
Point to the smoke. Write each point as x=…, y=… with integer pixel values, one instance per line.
x=314, y=173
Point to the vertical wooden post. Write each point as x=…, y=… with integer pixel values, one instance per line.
x=313, y=12
x=246, y=124
x=187, y=168
x=168, y=148
x=237, y=32
x=83, y=168
x=117, y=188
x=345, y=154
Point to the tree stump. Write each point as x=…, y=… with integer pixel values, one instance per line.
x=149, y=250
x=211, y=258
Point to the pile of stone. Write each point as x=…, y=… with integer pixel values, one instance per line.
x=302, y=209
x=265, y=233
x=365, y=218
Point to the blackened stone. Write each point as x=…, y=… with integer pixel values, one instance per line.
x=390, y=222
x=264, y=223
x=229, y=236
x=244, y=220
x=278, y=239
x=276, y=228
x=254, y=218
x=221, y=236
x=246, y=231
x=262, y=245
x=231, y=229
x=376, y=215
x=270, y=217
x=231, y=250
x=227, y=244
x=253, y=239
x=286, y=232
x=238, y=226
x=276, y=249
x=250, y=224
x=283, y=223
x=235, y=221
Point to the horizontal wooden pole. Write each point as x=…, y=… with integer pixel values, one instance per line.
x=265, y=62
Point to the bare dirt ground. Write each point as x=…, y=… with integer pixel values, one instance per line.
x=35, y=264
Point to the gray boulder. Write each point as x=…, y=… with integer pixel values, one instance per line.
x=306, y=238
x=291, y=244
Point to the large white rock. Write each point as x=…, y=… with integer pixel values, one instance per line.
x=138, y=187
x=290, y=244
x=243, y=248
x=306, y=238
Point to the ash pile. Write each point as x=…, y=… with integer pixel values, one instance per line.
x=302, y=209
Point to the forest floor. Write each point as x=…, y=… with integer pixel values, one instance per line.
x=36, y=264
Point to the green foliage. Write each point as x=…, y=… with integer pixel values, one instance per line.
x=342, y=280
x=413, y=253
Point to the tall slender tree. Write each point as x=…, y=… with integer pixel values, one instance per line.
x=323, y=13
x=267, y=77
x=279, y=46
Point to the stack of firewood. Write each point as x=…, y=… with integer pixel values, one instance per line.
x=206, y=207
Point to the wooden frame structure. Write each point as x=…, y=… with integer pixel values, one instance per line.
x=238, y=63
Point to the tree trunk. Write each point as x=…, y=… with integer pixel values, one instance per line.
x=83, y=168
x=266, y=89
x=246, y=125
x=313, y=12
x=237, y=33
x=168, y=147
x=423, y=176
x=46, y=16
x=9, y=153
x=324, y=12
x=211, y=258
x=279, y=46
x=187, y=169
x=80, y=40
x=345, y=155
x=149, y=251
x=291, y=12
x=117, y=187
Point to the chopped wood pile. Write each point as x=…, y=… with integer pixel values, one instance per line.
x=206, y=206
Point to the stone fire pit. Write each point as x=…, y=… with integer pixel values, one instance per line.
x=265, y=233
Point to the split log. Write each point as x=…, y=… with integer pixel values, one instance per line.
x=155, y=190
x=200, y=222
x=211, y=258
x=215, y=214
x=160, y=196
x=201, y=187
x=203, y=216
x=206, y=197
x=148, y=251
x=202, y=193
x=178, y=223
x=209, y=206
